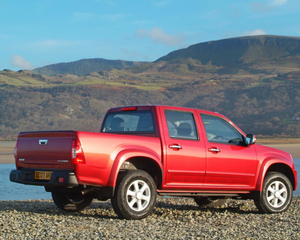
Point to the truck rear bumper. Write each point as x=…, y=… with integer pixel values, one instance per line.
x=62, y=178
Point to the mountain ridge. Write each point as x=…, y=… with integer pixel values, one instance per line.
x=247, y=52
x=85, y=66
x=252, y=53
x=231, y=44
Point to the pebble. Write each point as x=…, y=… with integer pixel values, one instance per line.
x=172, y=218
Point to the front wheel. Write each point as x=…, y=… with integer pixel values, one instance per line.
x=276, y=194
x=135, y=195
x=71, y=202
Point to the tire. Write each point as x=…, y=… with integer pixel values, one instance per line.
x=135, y=195
x=276, y=195
x=71, y=202
x=210, y=202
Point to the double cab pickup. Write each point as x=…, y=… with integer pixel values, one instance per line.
x=145, y=151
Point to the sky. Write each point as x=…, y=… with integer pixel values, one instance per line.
x=36, y=33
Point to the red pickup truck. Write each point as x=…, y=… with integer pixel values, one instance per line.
x=142, y=151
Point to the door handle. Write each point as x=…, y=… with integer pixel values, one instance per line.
x=214, y=150
x=175, y=146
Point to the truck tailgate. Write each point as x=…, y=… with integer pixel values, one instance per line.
x=44, y=150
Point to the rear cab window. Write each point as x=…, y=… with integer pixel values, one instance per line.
x=129, y=122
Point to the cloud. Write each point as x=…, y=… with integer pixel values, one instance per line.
x=255, y=32
x=235, y=12
x=51, y=43
x=134, y=54
x=86, y=16
x=19, y=61
x=161, y=3
x=259, y=7
x=276, y=3
x=157, y=35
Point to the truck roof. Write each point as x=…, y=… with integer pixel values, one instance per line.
x=149, y=107
x=178, y=108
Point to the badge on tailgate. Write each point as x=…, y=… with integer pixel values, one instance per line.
x=43, y=141
x=42, y=175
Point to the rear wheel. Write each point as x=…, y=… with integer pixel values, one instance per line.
x=135, y=195
x=71, y=202
x=210, y=202
x=276, y=194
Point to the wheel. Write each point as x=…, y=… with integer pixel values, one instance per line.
x=135, y=195
x=276, y=194
x=210, y=202
x=71, y=202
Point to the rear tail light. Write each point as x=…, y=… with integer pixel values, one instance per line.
x=16, y=149
x=77, y=152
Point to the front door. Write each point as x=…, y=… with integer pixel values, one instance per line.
x=230, y=164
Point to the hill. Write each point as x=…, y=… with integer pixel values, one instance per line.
x=264, y=100
x=85, y=66
x=255, y=54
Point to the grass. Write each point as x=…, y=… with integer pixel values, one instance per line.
x=140, y=85
x=289, y=121
x=277, y=140
x=143, y=82
x=255, y=85
x=20, y=80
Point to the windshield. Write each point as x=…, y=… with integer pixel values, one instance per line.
x=129, y=122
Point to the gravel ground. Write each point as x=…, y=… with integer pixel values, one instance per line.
x=173, y=218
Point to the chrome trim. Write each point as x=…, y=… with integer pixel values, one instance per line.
x=175, y=147
x=62, y=160
x=214, y=149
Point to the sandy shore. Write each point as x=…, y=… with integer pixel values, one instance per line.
x=7, y=149
x=292, y=148
x=7, y=152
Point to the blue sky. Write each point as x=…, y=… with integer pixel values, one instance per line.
x=35, y=33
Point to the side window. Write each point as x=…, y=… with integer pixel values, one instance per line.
x=181, y=125
x=219, y=130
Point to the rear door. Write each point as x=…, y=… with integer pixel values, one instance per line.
x=184, y=151
x=230, y=164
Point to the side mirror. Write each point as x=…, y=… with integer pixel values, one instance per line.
x=250, y=139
